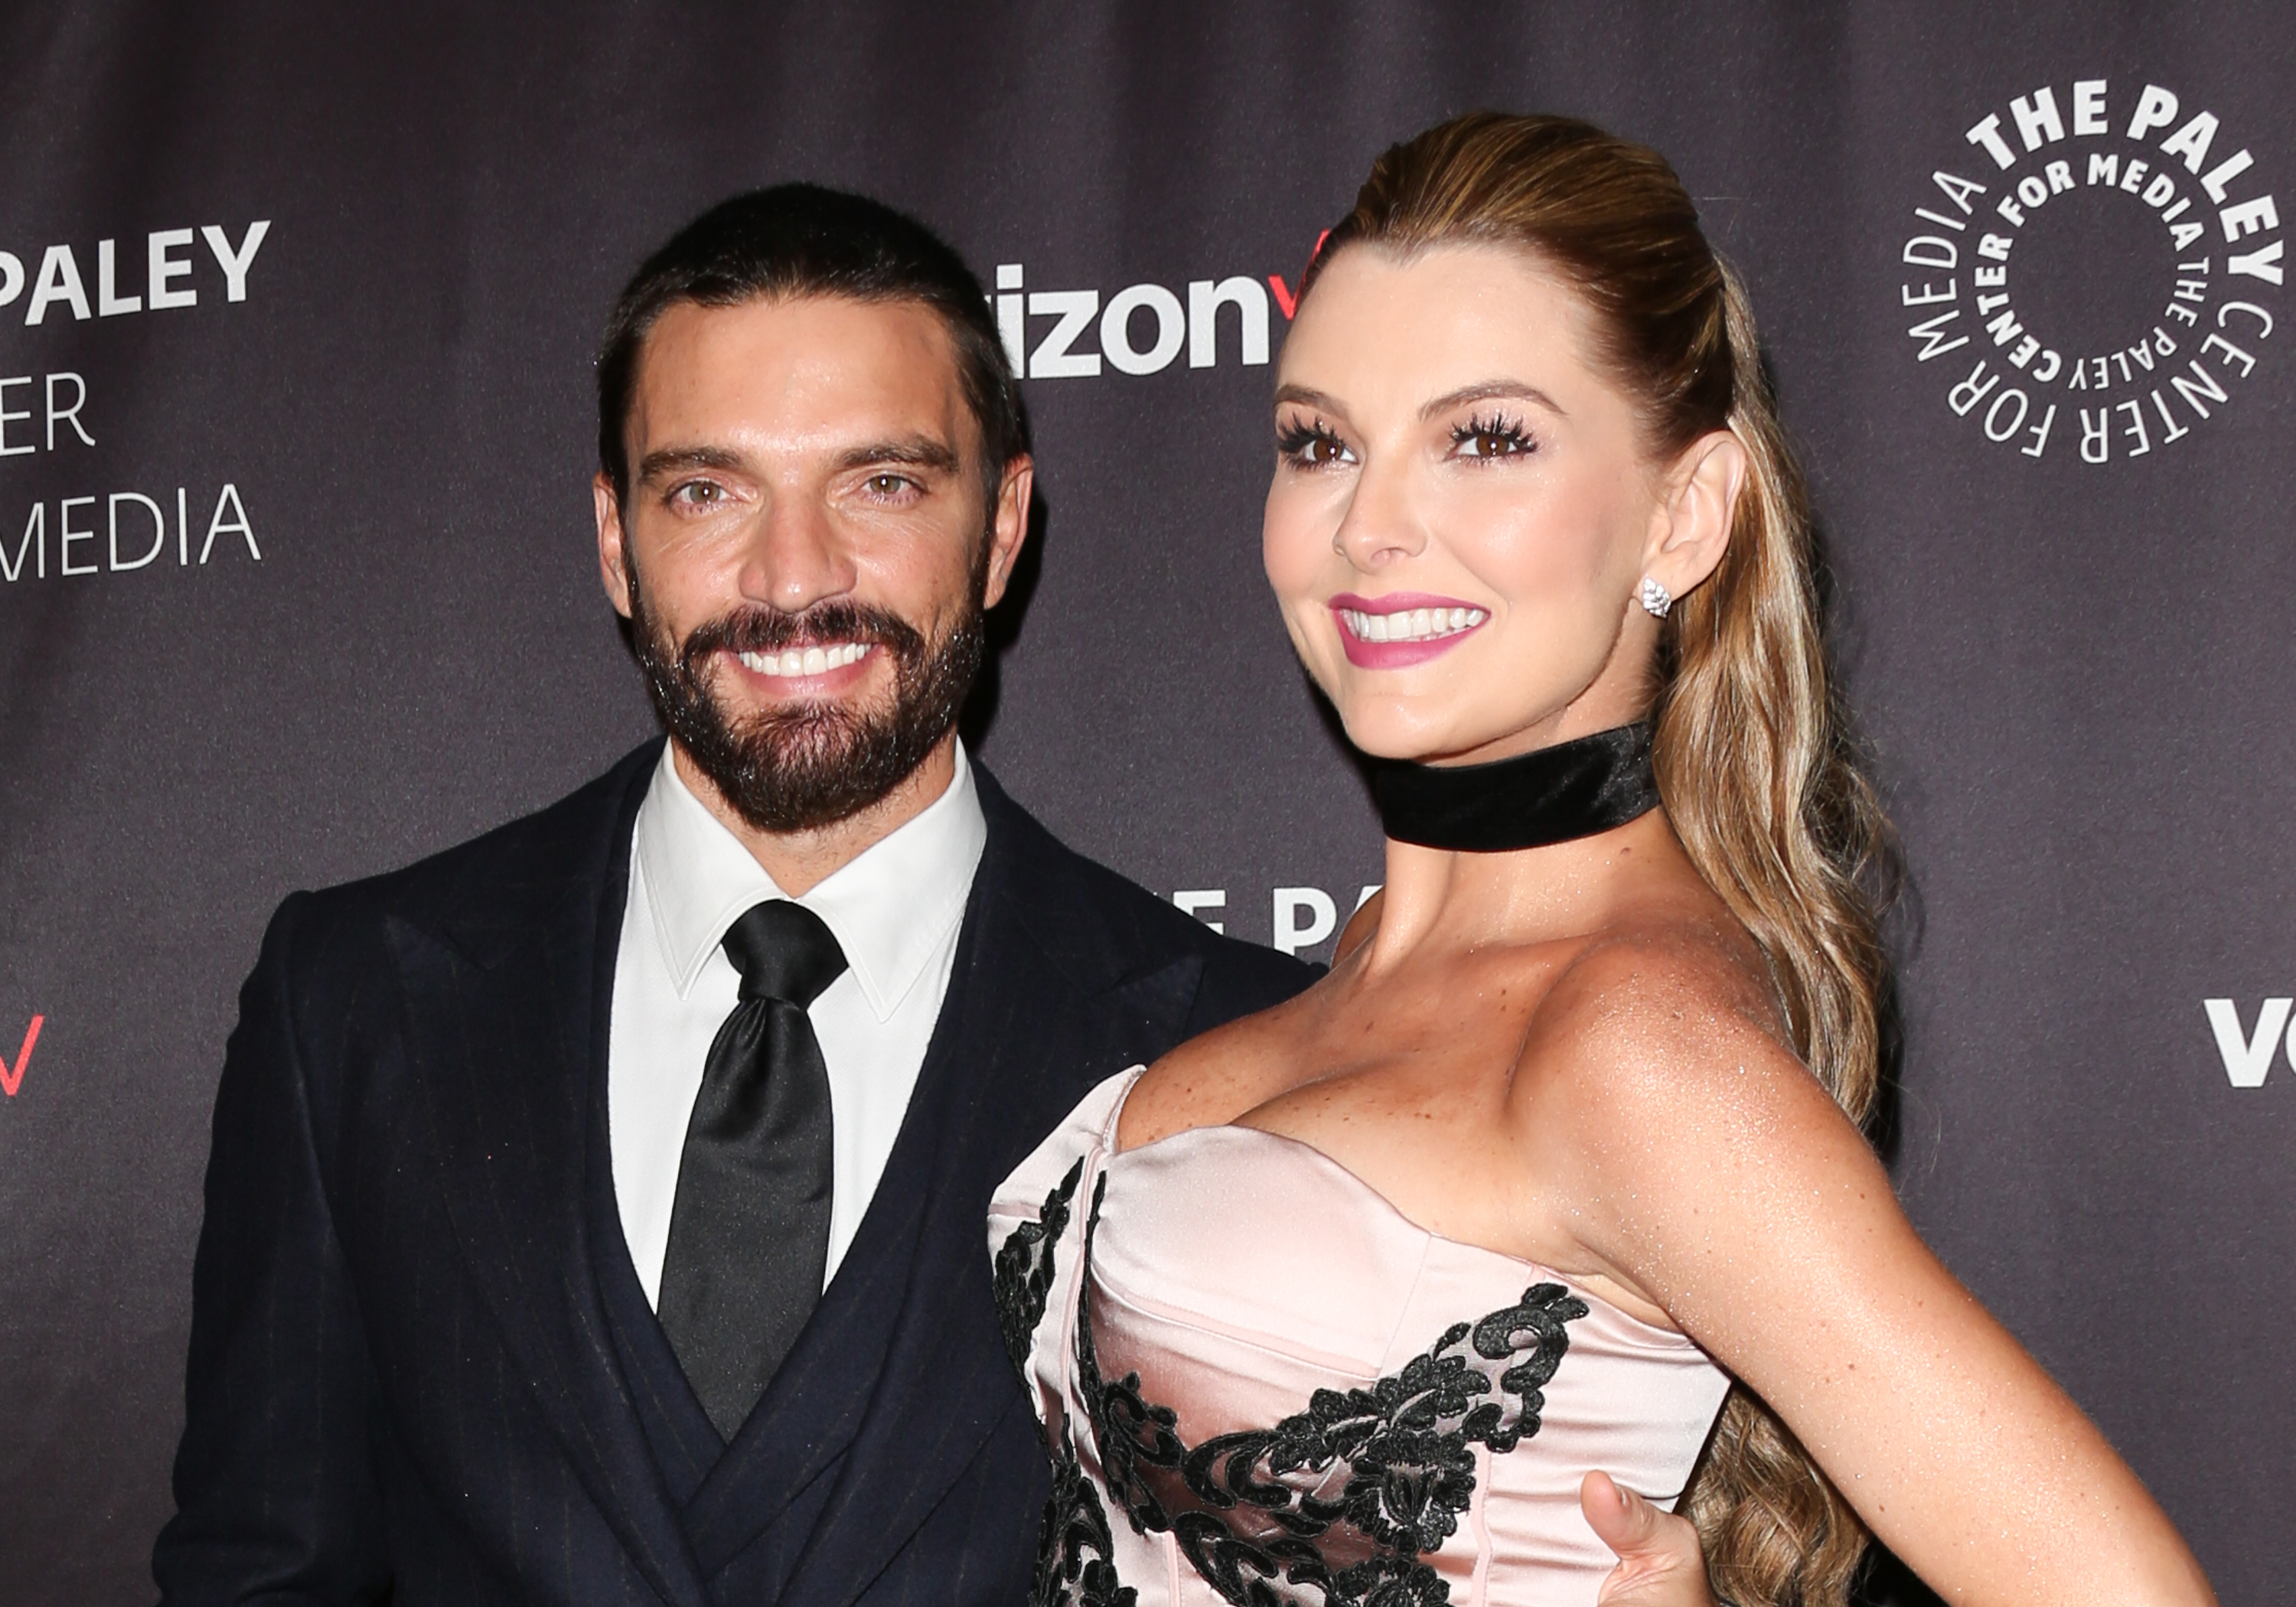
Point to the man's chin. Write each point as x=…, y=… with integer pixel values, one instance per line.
x=789, y=787
x=802, y=766
x=792, y=712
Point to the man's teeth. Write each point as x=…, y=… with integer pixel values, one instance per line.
x=1412, y=624
x=806, y=661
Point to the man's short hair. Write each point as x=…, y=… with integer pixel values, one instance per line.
x=801, y=240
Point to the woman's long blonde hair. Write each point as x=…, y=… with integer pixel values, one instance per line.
x=1756, y=774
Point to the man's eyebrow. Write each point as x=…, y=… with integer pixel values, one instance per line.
x=915, y=451
x=675, y=460
x=1491, y=390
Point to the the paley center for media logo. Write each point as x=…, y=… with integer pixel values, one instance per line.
x=104, y=529
x=2096, y=275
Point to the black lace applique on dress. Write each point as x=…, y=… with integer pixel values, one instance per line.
x=1024, y=1270
x=1334, y=1505
x=1074, y=1568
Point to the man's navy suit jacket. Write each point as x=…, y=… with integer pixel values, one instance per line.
x=402, y=1381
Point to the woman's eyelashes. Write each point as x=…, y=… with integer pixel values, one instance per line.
x=1489, y=436
x=1306, y=445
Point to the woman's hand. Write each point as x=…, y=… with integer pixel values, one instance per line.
x=1659, y=1564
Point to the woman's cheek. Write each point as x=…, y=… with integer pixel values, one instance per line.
x=1289, y=549
x=1297, y=625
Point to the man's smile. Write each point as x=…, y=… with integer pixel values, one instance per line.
x=806, y=661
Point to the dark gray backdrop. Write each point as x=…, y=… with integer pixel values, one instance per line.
x=2072, y=673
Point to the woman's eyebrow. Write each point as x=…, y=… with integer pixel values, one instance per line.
x=1491, y=391
x=1310, y=398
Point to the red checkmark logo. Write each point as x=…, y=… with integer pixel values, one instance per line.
x=12, y=1077
x=1287, y=299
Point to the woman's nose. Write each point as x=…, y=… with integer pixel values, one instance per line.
x=1381, y=525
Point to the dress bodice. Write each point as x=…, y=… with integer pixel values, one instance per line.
x=1259, y=1383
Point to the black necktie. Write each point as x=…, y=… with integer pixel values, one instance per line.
x=749, y=1234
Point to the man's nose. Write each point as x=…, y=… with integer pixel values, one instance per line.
x=794, y=558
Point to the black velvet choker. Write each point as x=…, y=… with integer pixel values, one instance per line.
x=1574, y=789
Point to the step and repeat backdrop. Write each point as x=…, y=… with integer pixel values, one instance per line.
x=297, y=581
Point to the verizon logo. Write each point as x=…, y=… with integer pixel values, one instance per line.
x=1142, y=329
x=12, y=1076
x=2247, y=1050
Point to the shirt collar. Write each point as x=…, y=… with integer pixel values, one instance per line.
x=889, y=908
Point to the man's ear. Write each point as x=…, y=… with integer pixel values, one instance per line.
x=611, y=565
x=1691, y=528
x=1010, y=529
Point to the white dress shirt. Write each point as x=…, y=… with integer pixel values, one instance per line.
x=895, y=910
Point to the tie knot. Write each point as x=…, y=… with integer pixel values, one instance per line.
x=784, y=951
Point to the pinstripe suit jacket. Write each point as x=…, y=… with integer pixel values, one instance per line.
x=401, y=1385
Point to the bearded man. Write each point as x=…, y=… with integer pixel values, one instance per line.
x=595, y=1209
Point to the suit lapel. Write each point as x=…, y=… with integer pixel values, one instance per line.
x=1023, y=1037
x=900, y=1379
x=507, y=1028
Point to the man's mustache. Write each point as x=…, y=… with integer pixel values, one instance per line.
x=759, y=630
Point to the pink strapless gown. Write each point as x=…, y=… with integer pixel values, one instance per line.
x=1262, y=1384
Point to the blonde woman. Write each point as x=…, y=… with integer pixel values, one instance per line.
x=1561, y=1167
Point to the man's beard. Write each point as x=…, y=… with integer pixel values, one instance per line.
x=810, y=765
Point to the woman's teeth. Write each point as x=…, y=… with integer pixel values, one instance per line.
x=1411, y=624
x=806, y=661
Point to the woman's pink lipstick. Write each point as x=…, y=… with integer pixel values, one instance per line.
x=1402, y=629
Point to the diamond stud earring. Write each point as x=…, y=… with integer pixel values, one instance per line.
x=1655, y=598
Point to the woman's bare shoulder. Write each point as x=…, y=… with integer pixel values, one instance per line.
x=1659, y=1091
x=1668, y=998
